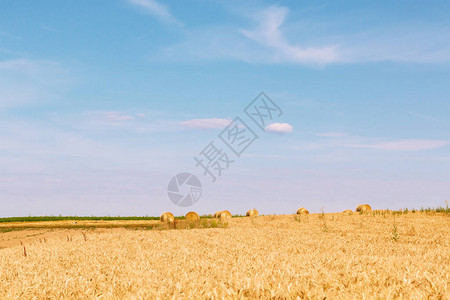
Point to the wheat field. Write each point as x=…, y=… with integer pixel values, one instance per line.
x=316, y=256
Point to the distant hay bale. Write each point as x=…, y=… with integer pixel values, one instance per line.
x=224, y=214
x=175, y=224
x=167, y=217
x=363, y=208
x=192, y=217
x=302, y=211
x=252, y=213
x=347, y=212
x=216, y=214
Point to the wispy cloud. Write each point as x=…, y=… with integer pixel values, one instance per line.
x=103, y=120
x=332, y=134
x=212, y=123
x=156, y=9
x=269, y=34
x=24, y=82
x=279, y=128
x=9, y=35
x=409, y=42
x=336, y=141
x=405, y=145
x=117, y=116
x=274, y=38
x=264, y=43
x=429, y=118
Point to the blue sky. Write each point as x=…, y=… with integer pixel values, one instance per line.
x=103, y=102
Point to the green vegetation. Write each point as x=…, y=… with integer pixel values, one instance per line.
x=90, y=218
x=9, y=229
x=74, y=218
x=325, y=227
x=83, y=227
x=439, y=209
x=395, y=236
x=213, y=224
x=239, y=216
x=428, y=210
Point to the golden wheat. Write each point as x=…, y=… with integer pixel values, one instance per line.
x=267, y=257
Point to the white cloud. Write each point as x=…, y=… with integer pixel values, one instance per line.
x=405, y=145
x=279, y=128
x=156, y=9
x=213, y=123
x=269, y=35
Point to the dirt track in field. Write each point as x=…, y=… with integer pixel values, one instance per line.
x=18, y=233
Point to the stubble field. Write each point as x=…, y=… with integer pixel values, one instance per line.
x=373, y=256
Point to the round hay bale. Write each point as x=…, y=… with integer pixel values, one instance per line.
x=224, y=214
x=302, y=211
x=175, y=223
x=192, y=217
x=252, y=213
x=347, y=212
x=167, y=217
x=363, y=208
x=216, y=214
